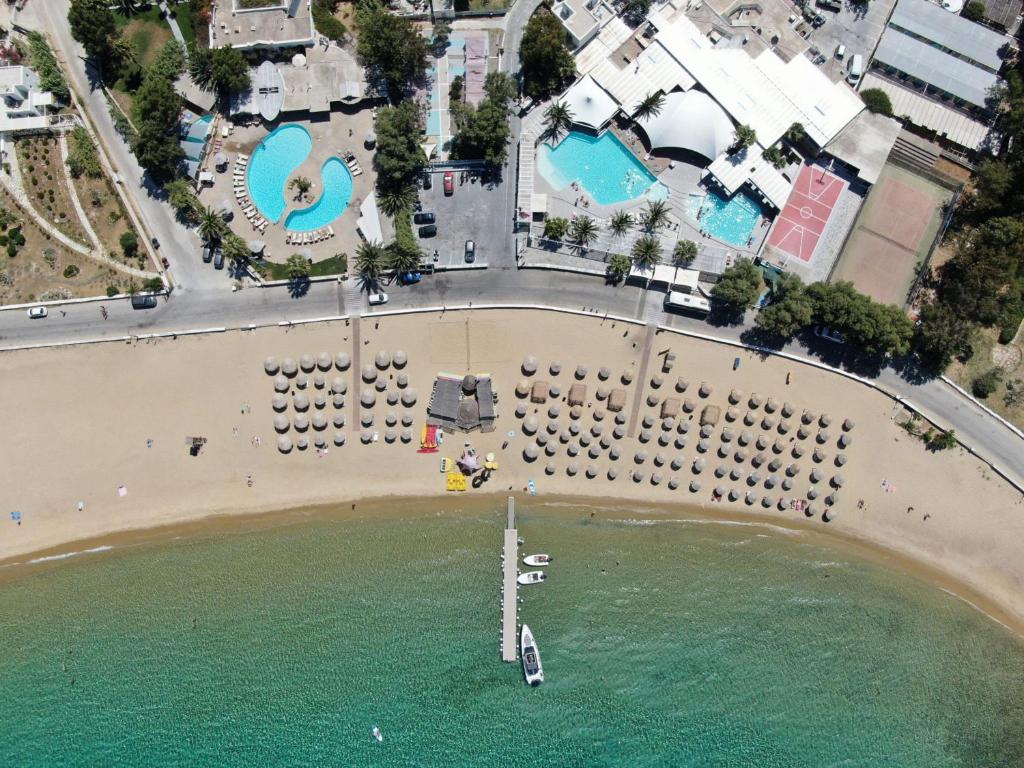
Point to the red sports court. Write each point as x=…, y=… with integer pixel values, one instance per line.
x=801, y=222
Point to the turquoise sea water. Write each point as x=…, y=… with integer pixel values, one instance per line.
x=668, y=644
x=602, y=165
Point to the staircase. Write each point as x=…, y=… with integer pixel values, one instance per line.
x=913, y=151
x=530, y=129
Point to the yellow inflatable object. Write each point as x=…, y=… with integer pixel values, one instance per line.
x=456, y=481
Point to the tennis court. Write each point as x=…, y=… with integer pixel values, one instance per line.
x=799, y=226
x=893, y=234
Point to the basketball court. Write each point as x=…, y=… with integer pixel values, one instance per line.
x=893, y=235
x=799, y=226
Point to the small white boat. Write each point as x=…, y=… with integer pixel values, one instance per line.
x=532, y=669
x=531, y=577
x=535, y=561
x=377, y=734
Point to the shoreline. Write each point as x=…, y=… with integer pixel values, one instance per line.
x=102, y=437
x=244, y=522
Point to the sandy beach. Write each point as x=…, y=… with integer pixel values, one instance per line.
x=98, y=436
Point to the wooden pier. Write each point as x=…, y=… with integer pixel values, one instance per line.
x=510, y=588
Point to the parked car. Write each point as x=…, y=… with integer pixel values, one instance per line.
x=428, y=231
x=143, y=302
x=830, y=334
x=856, y=70
x=819, y=21
x=427, y=182
x=840, y=51
x=165, y=262
x=377, y=298
x=424, y=218
x=449, y=183
x=155, y=242
x=207, y=254
x=218, y=259
x=37, y=312
x=408, y=278
x=470, y=251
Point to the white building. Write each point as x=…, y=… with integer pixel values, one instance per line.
x=25, y=106
x=286, y=24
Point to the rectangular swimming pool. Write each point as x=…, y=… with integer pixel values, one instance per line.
x=731, y=220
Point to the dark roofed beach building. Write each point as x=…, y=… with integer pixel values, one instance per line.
x=463, y=403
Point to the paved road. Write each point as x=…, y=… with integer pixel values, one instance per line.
x=178, y=244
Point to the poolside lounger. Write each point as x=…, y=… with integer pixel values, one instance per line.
x=330, y=231
x=242, y=156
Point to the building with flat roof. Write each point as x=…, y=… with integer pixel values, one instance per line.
x=286, y=24
x=24, y=107
x=939, y=66
x=582, y=19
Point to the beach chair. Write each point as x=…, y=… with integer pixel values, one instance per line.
x=330, y=231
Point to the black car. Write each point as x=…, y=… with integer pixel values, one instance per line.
x=143, y=302
x=428, y=231
x=427, y=184
x=424, y=218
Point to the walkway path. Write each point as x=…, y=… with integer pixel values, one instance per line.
x=172, y=22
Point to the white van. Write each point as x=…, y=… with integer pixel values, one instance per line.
x=840, y=51
x=856, y=70
x=687, y=302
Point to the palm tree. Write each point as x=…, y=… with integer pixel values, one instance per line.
x=684, y=253
x=396, y=201
x=620, y=223
x=369, y=262
x=557, y=120
x=234, y=247
x=745, y=136
x=211, y=225
x=655, y=216
x=583, y=231
x=302, y=185
x=403, y=258
x=128, y=7
x=646, y=252
x=618, y=267
x=297, y=266
x=649, y=106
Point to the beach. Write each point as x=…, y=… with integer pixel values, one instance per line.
x=99, y=436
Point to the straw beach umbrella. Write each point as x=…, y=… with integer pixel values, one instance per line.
x=284, y=444
x=289, y=367
x=529, y=366
x=279, y=402
x=307, y=363
x=382, y=360
x=603, y=373
x=281, y=423
x=301, y=422
x=271, y=366
x=342, y=361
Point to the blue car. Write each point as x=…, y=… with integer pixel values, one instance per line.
x=408, y=278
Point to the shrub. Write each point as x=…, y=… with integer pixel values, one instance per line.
x=70, y=271
x=555, y=228
x=974, y=11
x=112, y=291
x=153, y=284
x=51, y=78
x=987, y=383
x=877, y=100
x=82, y=155
x=129, y=244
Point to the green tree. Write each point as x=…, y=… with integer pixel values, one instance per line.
x=158, y=153
x=157, y=103
x=442, y=32
x=635, y=11
x=298, y=267
x=404, y=256
x=879, y=329
x=200, y=66
x=646, y=252
x=129, y=245
x=584, y=231
x=877, y=100
x=1013, y=397
x=455, y=90
x=170, y=63
x=546, y=62
x=618, y=267
x=229, y=71
x=556, y=228
x=557, y=121
x=370, y=259
x=483, y=132
x=654, y=216
x=301, y=185
x=235, y=249
x=796, y=133
x=391, y=49
x=745, y=137
x=791, y=309
x=181, y=196
x=738, y=287
x=327, y=24
x=684, y=252
x=942, y=334
x=943, y=441
x=211, y=225
x=92, y=24
x=987, y=383
x=51, y=76
x=993, y=180
x=399, y=158
x=620, y=223
x=974, y=10
x=649, y=106
x=397, y=201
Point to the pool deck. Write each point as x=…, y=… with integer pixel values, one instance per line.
x=682, y=180
x=332, y=135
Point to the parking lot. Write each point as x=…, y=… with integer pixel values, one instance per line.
x=476, y=212
x=858, y=26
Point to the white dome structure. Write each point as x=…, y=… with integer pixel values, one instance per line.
x=690, y=120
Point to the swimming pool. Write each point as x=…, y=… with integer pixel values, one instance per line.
x=274, y=161
x=606, y=169
x=730, y=219
x=337, y=191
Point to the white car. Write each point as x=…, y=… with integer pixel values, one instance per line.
x=377, y=298
x=37, y=312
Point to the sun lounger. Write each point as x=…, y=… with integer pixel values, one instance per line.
x=330, y=231
x=242, y=157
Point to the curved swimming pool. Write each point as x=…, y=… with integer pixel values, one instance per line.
x=603, y=165
x=274, y=161
x=336, y=183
